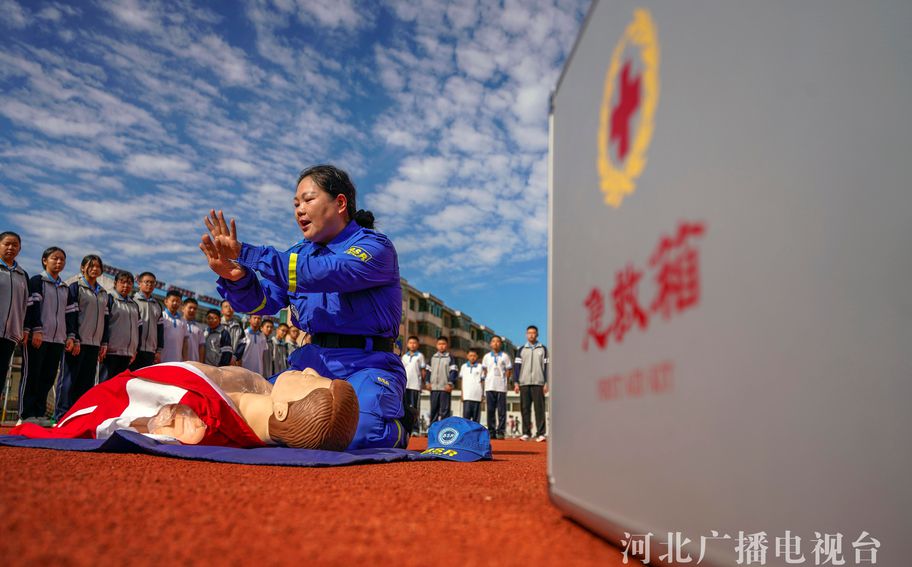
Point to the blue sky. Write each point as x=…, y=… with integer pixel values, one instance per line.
x=124, y=120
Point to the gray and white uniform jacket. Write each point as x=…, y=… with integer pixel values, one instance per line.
x=49, y=302
x=152, y=334
x=90, y=320
x=531, y=365
x=14, y=299
x=124, y=326
x=443, y=371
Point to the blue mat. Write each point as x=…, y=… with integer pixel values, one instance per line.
x=131, y=442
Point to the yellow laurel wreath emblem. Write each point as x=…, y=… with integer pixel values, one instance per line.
x=618, y=183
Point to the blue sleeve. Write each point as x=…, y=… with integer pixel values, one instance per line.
x=242, y=345
x=225, y=349
x=454, y=372
x=251, y=295
x=517, y=366
x=371, y=263
x=33, y=310
x=72, y=311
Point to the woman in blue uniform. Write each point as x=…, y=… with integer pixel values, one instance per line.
x=342, y=283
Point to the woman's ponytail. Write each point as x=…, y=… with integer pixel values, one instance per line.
x=364, y=218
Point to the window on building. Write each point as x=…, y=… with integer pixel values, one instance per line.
x=413, y=305
x=436, y=309
x=423, y=305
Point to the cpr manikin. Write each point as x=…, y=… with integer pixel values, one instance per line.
x=195, y=403
x=302, y=409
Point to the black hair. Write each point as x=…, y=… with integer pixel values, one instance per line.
x=214, y=312
x=476, y=351
x=532, y=327
x=92, y=258
x=336, y=182
x=191, y=300
x=412, y=337
x=269, y=321
x=224, y=301
x=124, y=275
x=144, y=274
x=6, y=233
x=48, y=251
x=283, y=325
x=444, y=339
x=173, y=293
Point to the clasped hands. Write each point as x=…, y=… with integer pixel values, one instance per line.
x=221, y=246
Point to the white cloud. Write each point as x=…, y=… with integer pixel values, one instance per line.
x=156, y=166
x=13, y=15
x=237, y=167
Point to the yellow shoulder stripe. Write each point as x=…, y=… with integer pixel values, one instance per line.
x=292, y=273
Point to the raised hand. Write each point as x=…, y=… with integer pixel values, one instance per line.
x=221, y=246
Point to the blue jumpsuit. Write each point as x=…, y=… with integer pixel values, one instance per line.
x=350, y=286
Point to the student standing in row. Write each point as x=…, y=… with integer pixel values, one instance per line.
x=531, y=371
x=497, y=370
x=89, y=323
x=472, y=387
x=218, y=341
x=152, y=337
x=14, y=299
x=45, y=319
x=280, y=349
x=268, y=354
x=125, y=327
x=232, y=325
x=415, y=373
x=196, y=335
x=441, y=380
x=175, y=343
x=251, y=348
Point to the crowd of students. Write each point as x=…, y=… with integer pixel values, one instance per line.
x=90, y=334
x=485, y=379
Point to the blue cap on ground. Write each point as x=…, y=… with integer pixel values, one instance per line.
x=458, y=439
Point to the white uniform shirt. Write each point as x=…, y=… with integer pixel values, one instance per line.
x=472, y=382
x=175, y=336
x=196, y=337
x=495, y=371
x=254, y=346
x=414, y=364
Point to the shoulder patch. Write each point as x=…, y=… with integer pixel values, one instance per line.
x=359, y=253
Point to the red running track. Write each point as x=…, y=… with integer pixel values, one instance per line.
x=68, y=508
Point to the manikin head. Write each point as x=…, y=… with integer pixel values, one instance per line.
x=313, y=412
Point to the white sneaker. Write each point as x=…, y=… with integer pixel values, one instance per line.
x=541, y=438
x=524, y=438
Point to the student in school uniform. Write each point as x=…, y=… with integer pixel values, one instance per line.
x=218, y=341
x=176, y=331
x=45, y=319
x=472, y=387
x=152, y=337
x=415, y=373
x=252, y=346
x=441, y=380
x=497, y=369
x=280, y=350
x=14, y=299
x=89, y=322
x=232, y=325
x=125, y=327
x=196, y=335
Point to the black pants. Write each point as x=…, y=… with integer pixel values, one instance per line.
x=6, y=356
x=440, y=405
x=530, y=396
x=497, y=401
x=471, y=410
x=413, y=400
x=113, y=365
x=143, y=358
x=77, y=378
x=40, y=370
